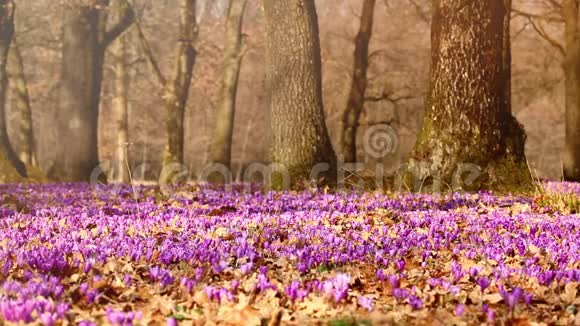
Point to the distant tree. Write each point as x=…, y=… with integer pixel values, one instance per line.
x=468, y=118
x=221, y=151
x=175, y=91
x=7, y=8
x=356, y=98
x=300, y=137
x=21, y=98
x=85, y=40
x=121, y=99
x=570, y=11
x=557, y=12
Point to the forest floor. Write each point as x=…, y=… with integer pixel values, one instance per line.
x=73, y=254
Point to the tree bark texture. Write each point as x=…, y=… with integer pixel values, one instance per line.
x=468, y=118
x=300, y=137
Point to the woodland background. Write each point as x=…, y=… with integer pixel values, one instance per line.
x=398, y=79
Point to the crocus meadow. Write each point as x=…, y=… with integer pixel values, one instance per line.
x=119, y=255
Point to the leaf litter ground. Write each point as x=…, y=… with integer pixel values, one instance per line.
x=76, y=254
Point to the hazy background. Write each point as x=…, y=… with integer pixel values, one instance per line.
x=399, y=67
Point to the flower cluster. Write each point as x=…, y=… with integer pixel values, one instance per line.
x=68, y=251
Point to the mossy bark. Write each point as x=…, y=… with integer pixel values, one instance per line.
x=300, y=137
x=468, y=123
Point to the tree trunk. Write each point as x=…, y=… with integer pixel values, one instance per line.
x=300, y=137
x=222, y=138
x=468, y=122
x=85, y=40
x=80, y=90
x=121, y=103
x=356, y=99
x=507, y=56
x=572, y=71
x=176, y=91
x=19, y=91
x=6, y=34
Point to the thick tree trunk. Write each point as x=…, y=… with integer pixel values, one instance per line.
x=468, y=118
x=85, y=40
x=176, y=91
x=356, y=99
x=121, y=103
x=300, y=137
x=6, y=35
x=20, y=95
x=571, y=158
x=221, y=151
x=80, y=94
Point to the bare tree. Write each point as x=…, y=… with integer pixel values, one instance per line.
x=175, y=91
x=468, y=119
x=221, y=151
x=300, y=138
x=570, y=11
x=356, y=99
x=20, y=96
x=121, y=100
x=85, y=39
x=7, y=8
x=557, y=12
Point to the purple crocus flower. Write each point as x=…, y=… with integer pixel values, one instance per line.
x=295, y=291
x=337, y=287
x=394, y=281
x=86, y=323
x=366, y=303
x=401, y=294
x=483, y=283
x=512, y=297
x=48, y=318
x=528, y=297
x=415, y=302
x=491, y=315
x=400, y=264
x=474, y=271
x=247, y=268
x=381, y=276
x=459, y=310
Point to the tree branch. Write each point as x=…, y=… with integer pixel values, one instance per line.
x=121, y=26
x=535, y=21
x=147, y=51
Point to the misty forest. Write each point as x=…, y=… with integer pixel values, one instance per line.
x=289, y=162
